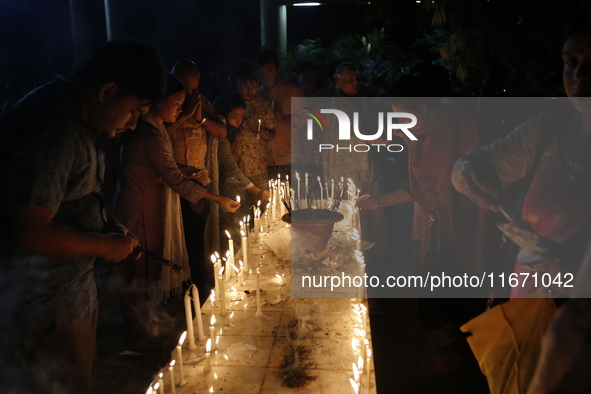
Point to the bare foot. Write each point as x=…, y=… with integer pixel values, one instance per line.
x=448, y=365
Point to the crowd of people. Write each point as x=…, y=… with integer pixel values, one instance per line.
x=183, y=169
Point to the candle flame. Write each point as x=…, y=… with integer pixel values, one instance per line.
x=156, y=386
x=182, y=339
x=208, y=346
x=298, y=176
x=221, y=271
x=368, y=351
x=213, y=259
x=355, y=372
x=228, y=234
x=248, y=219
x=287, y=177
x=363, y=307
x=261, y=229
x=354, y=385
x=217, y=255
x=237, y=198
x=212, y=296
x=235, y=268
x=354, y=344
x=242, y=233
x=241, y=264
x=227, y=254
x=366, y=342
x=172, y=363
x=160, y=375
x=360, y=363
x=259, y=203
x=234, y=289
x=212, y=321
x=149, y=391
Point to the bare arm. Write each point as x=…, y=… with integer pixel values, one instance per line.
x=34, y=229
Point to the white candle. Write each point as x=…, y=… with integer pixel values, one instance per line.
x=207, y=356
x=306, y=190
x=189, y=318
x=212, y=331
x=222, y=293
x=321, y=193
x=212, y=300
x=298, y=190
x=332, y=189
x=231, y=249
x=267, y=214
x=258, y=283
x=171, y=374
x=214, y=261
x=160, y=383
x=197, y=307
x=244, y=248
x=287, y=187
x=179, y=353
x=240, y=273
x=256, y=224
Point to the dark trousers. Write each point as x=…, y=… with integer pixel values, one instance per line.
x=201, y=268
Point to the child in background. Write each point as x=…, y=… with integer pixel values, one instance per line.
x=233, y=182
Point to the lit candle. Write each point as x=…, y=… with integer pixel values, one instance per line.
x=256, y=224
x=306, y=190
x=160, y=383
x=354, y=385
x=171, y=375
x=258, y=284
x=179, y=353
x=244, y=241
x=231, y=250
x=238, y=199
x=356, y=374
x=189, y=318
x=222, y=293
x=321, y=192
x=212, y=331
x=149, y=391
x=157, y=388
x=332, y=189
x=214, y=261
x=267, y=214
x=258, y=130
x=287, y=187
x=207, y=356
x=197, y=307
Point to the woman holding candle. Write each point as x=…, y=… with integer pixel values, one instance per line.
x=149, y=205
x=233, y=182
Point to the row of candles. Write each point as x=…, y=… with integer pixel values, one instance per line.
x=278, y=190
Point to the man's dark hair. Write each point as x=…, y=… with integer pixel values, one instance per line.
x=134, y=67
x=249, y=71
x=579, y=24
x=227, y=102
x=266, y=57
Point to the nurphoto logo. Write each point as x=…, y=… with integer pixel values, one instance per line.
x=391, y=119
